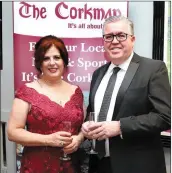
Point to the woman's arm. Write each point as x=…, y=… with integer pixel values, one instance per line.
x=18, y=134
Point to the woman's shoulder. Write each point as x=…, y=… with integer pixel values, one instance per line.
x=73, y=87
x=25, y=89
x=32, y=84
x=77, y=90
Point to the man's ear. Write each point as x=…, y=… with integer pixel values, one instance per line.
x=133, y=38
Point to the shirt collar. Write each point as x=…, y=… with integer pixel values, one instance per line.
x=123, y=66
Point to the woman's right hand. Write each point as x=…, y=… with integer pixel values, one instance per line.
x=59, y=139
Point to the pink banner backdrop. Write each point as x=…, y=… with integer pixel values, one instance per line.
x=85, y=55
x=79, y=24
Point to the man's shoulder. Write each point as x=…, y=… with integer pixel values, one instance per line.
x=149, y=62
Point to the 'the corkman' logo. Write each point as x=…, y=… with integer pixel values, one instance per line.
x=27, y=10
x=85, y=12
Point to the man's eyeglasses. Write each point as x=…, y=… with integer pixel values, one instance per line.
x=120, y=37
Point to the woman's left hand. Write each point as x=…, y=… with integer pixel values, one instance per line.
x=73, y=146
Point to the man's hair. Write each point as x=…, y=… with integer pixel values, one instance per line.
x=113, y=19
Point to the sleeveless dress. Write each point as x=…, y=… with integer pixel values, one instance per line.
x=46, y=117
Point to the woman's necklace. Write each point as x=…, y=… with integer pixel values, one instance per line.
x=42, y=84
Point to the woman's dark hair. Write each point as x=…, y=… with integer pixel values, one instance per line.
x=44, y=44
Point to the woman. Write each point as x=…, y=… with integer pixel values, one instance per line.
x=42, y=106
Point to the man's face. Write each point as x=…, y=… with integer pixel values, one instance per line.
x=118, y=51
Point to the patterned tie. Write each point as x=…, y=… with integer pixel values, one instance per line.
x=100, y=145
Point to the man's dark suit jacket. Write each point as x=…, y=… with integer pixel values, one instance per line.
x=143, y=108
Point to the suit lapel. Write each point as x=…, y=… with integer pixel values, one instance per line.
x=97, y=82
x=126, y=83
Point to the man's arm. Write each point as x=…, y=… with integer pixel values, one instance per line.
x=159, y=118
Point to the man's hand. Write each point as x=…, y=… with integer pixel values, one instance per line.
x=103, y=130
x=87, y=127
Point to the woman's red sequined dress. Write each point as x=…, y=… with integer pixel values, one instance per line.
x=46, y=117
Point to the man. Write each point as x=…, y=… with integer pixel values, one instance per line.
x=138, y=110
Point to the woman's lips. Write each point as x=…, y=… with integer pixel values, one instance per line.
x=52, y=70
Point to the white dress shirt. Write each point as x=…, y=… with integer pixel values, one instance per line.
x=101, y=91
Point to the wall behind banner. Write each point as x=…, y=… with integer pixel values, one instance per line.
x=140, y=12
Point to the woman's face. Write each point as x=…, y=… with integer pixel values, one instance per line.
x=52, y=65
